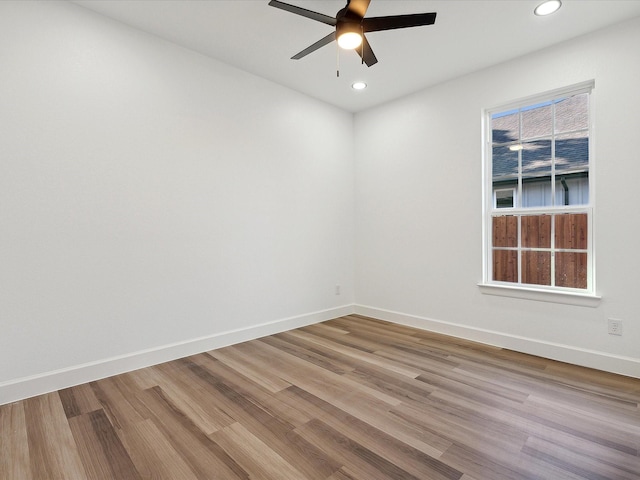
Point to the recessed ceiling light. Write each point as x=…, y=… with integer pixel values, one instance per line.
x=548, y=7
x=358, y=85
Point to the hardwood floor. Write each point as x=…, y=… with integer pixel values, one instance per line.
x=348, y=399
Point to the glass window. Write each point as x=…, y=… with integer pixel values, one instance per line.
x=539, y=161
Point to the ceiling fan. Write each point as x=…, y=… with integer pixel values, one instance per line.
x=351, y=25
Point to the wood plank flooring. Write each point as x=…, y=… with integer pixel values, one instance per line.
x=348, y=399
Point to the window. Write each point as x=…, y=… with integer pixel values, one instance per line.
x=538, y=196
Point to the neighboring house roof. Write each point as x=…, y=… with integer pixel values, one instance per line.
x=571, y=139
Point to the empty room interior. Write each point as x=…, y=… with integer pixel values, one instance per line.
x=221, y=262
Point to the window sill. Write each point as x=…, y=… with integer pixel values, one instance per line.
x=565, y=298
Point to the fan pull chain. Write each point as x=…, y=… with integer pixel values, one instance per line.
x=362, y=44
x=337, y=62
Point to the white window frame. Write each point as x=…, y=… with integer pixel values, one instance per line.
x=565, y=295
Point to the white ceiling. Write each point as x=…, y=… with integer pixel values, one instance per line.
x=468, y=35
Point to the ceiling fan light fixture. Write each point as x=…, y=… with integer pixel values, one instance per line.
x=349, y=35
x=548, y=7
x=358, y=85
x=350, y=40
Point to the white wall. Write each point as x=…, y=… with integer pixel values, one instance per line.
x=151, y=196
x=418, y=206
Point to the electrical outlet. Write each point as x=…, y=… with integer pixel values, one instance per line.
x=337, y=289
x=615, y=326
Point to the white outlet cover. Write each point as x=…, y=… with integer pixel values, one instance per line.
x=614, y=326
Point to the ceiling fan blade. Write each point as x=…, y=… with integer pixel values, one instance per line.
x=366, y=53
x=304, y=12
x=312, y=48
x=359, y=7
x=375, y=24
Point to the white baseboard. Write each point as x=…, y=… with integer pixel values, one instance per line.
x=26, y=387
x=564, y=353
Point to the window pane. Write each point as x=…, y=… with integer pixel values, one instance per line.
x=505, y=165
x=536, y=231
x=536, y=174
x=536, y=268
x=572, y=152
x=536, y=159
x=505, y=265
x=571, y=231
x=505, y=231
x=505, y=128
x=572, y=189
x=538, y=121
x=572, y=113
x=571, y=269
x=572, y=169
